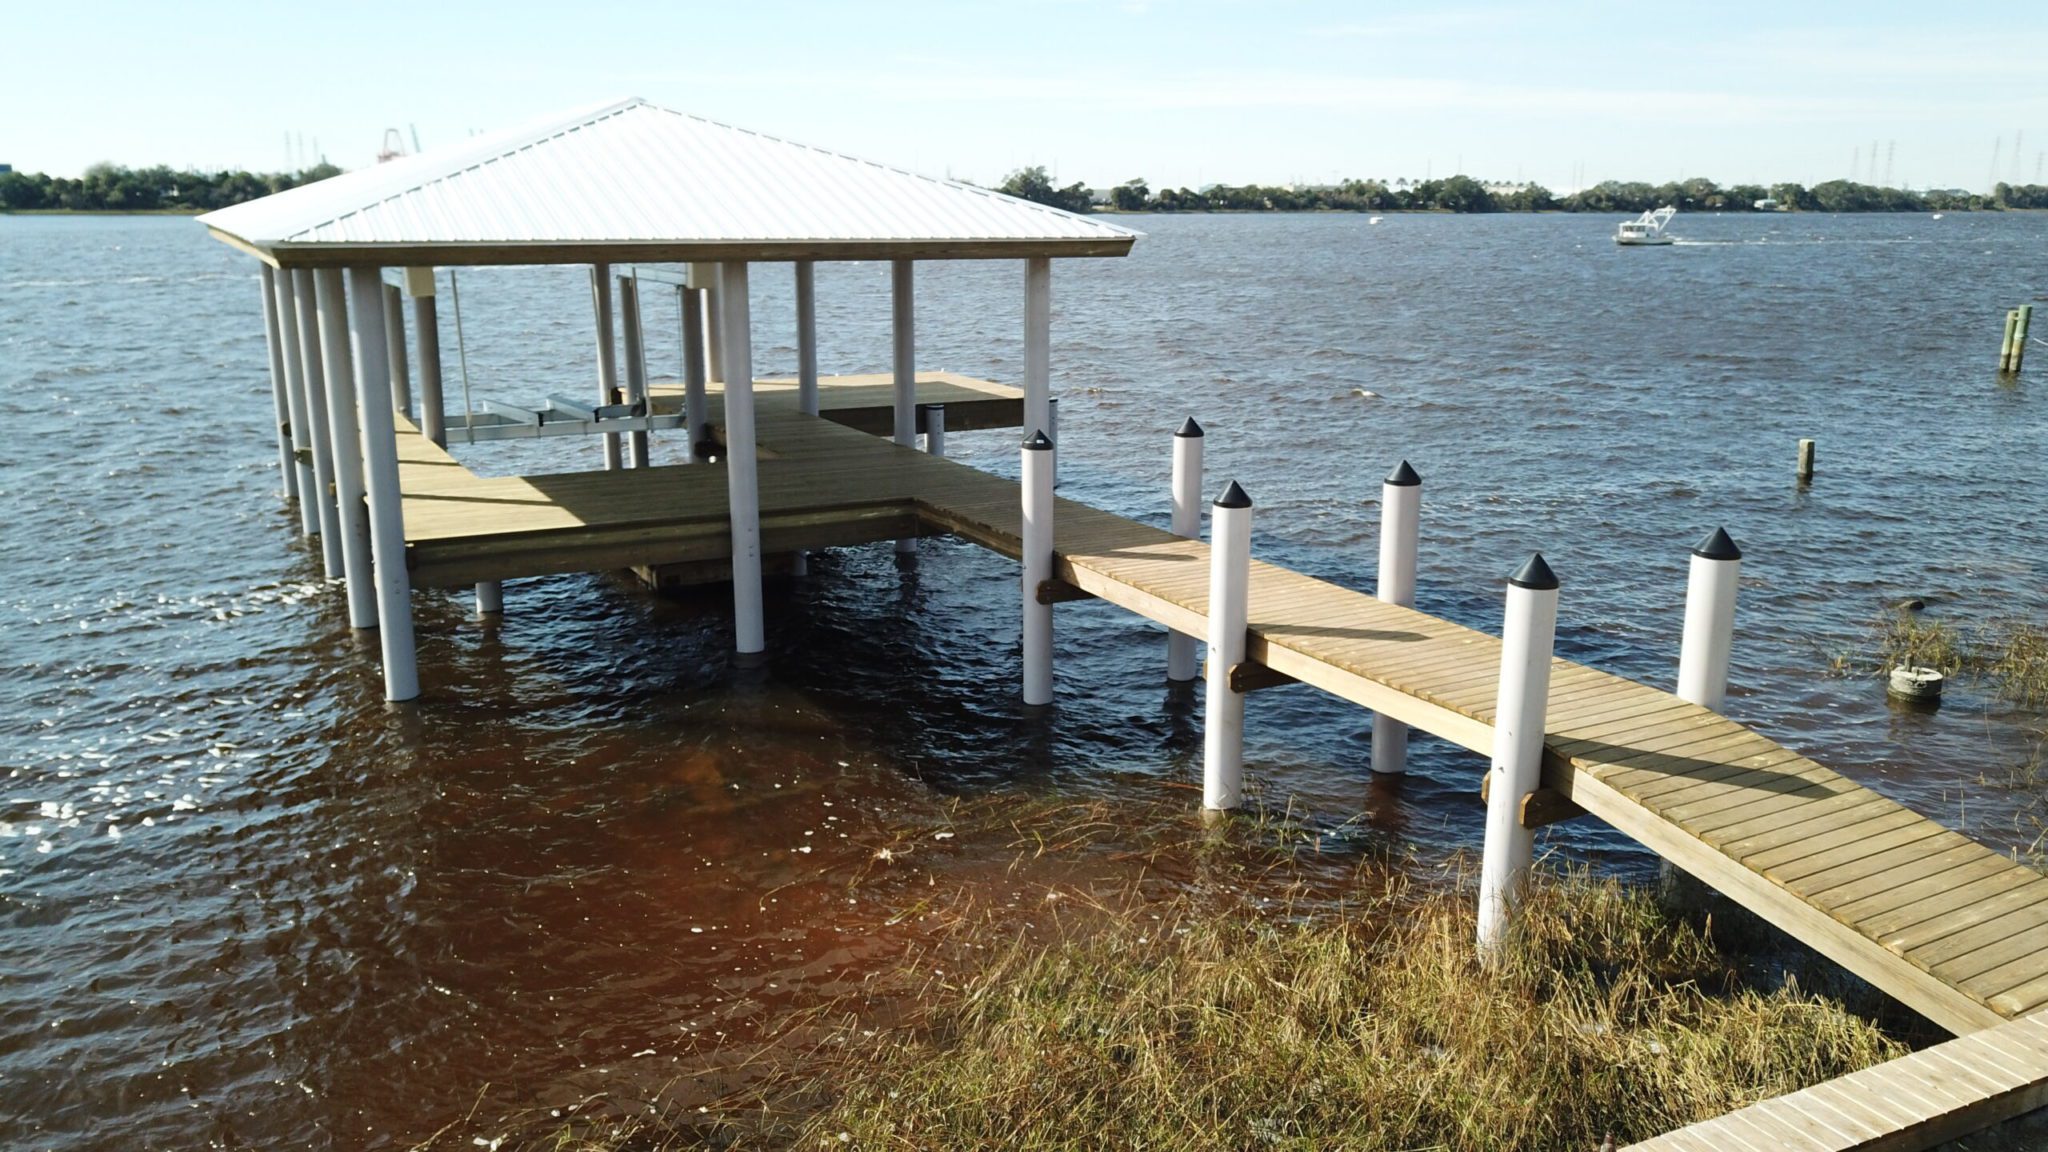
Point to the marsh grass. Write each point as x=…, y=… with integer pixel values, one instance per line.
x=2009, y=656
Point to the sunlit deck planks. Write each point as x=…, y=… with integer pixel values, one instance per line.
x=1950, y=928
x=1914, y=1102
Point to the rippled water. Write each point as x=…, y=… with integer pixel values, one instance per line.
x=241, y=902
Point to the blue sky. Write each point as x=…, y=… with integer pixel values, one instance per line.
x=1178, y=93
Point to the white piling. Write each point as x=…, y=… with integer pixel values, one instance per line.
x=1400, y=525
x=1038, y=343
x=1709, y=635
x=904, y=362
x=1183, y=652
x=1230, y=570
x=305, y=301
x=1037, y=546
x=934, y=428
x=636, y=364
x=607, y=354
x=287, y=468
x=490, y=598
x=295, y=400
x=742, y=478
x=426, y=325
x=1528, y=633
x=338, y=362
x=806, y=338
x=394, y=351
x=380, y=480
x=696, y=403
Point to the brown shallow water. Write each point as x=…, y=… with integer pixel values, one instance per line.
x=244, y=904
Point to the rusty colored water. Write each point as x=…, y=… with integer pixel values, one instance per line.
x=244, y=904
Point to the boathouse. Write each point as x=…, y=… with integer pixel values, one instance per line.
x=1950, y=928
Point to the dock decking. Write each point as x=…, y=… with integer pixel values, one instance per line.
x=1945, y=925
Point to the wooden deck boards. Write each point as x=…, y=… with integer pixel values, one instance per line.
x=1943, y=924
x=1915, y=1102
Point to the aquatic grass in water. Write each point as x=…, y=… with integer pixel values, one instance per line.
x=2010, y=656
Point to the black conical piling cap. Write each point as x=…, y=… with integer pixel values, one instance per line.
x=1188, y=427
x=1038, y=443
x=1717, y=546
x=1534, y=574
x=1404, y=477
x=1233, y=497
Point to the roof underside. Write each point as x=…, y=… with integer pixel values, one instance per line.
x=634, y=181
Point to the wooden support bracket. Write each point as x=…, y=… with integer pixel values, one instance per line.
x=1059, y=592
x=1543, y=806
x=1250, y=677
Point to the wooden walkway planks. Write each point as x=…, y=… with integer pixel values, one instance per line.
x=1915, y=1102
x=1945, y=925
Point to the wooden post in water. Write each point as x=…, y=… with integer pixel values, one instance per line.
x=807, y=338
x=490, y=598
x=426, y=326
x=2005, y=343
x=394, y=351
x=1183, y=659
x=338, y=363
x=295, y=400
x=1806, y=461
x=305, y=301
x=934, y=428
x=380, y=488
x=903, y=360
x=273, y=342
x=742, y=474
x=636, y=365
x=2022, y=325
x=1230, y=567
x=1528, y=632
x=1400, y=531
x=607, y=354
x=1037, y=545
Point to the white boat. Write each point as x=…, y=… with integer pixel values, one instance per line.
x=1645, y=229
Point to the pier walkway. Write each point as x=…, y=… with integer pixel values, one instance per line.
x=1947, y=926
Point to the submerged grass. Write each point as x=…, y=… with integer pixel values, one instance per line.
x=2010, y=656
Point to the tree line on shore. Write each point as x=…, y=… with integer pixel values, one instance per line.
x=114, y=188
x=1465, y=194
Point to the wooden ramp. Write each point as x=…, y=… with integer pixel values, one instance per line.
x=1914, y=1102
x=1945, y=925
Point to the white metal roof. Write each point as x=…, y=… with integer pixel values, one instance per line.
x=635, y=181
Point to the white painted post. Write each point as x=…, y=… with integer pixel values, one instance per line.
x=426, y=324
x=696, y=405
x=287, y=468
x=705, y=277
x=807, y=338
x=741, y=475
x=1230, y=573
x=1038, y=342
x=1183, y=657
x=1709, y=635
x=380, y=478
x=934, y=428
x=338, y=363
x=1400, y=526
x=636, y=364
x=305, y=300
x=607, y=354
x=1528, y=632
x=295, y=400
x=394, y=341
x=1037, y=547
x=490, y=598
x=904, y=361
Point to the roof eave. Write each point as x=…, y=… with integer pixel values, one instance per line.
x=331, y=255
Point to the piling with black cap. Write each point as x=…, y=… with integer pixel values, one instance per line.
x=1528, y=634
x=1709, y=635
x=1183, y=651
x=1400, y=527
x=1230, y=570
x=1037, y=543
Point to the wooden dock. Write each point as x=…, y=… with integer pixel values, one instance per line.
x=1945, y=925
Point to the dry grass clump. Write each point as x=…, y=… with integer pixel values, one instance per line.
x=1377, y=1030
x=2010, y=655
